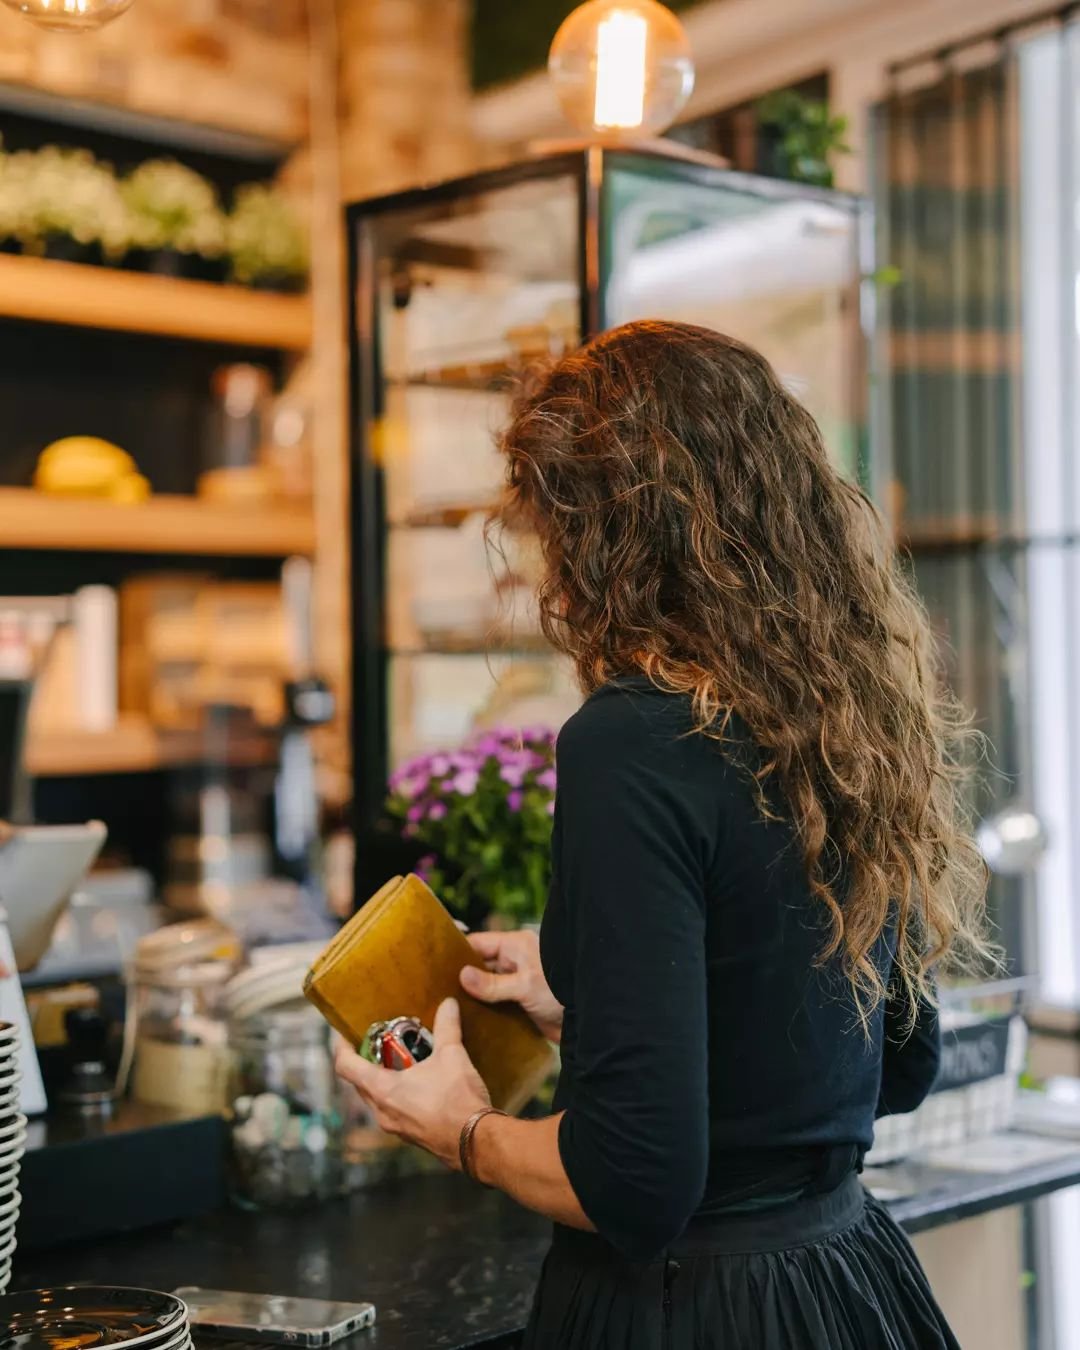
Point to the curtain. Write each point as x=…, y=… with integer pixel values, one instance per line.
x=948, y=390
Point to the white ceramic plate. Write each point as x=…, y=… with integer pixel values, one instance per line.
x=180, y=1341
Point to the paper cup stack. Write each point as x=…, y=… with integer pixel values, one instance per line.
x=12, y=1146
x=92, y=1318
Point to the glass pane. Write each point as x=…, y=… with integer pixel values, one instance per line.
x=439, y=699
x=975, y=602
x=779, y=272
x=467, y=293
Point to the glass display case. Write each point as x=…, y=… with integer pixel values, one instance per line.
x=455, y=290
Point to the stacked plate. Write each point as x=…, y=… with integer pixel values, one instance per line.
x=92, y=1318
x=275, y=978
x=12, y=1146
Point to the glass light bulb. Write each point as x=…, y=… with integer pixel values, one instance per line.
x=622, y=68
x=69, y=16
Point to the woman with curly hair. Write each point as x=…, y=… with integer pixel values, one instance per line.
x=761, y=856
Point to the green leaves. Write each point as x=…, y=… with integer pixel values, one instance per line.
x=809, y=135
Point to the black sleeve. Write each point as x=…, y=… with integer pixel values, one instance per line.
x=634, y=1140
x=911, y=1055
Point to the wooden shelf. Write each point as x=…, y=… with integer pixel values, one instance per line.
x=134, y=746
x=162, y=525
x=135, y=302
x=959, y=532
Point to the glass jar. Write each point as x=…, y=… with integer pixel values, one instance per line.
x=286, y=1110
x=181, y=1051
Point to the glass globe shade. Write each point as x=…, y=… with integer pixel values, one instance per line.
x=622, y=68
x=69, y=16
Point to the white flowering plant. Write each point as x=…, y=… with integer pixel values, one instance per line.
x=55, y=193
x=173, y=207
x=266, y=242
x=483, y=814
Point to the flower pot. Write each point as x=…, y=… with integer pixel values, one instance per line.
x=171, y=262
x=199, y=268
x=163, y=262
x=62, y=248
x=279, y=282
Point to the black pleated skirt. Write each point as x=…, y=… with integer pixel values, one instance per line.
x=831, y=1272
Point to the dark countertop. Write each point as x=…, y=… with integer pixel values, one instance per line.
x=449, y=1266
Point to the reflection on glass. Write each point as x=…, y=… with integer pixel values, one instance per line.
x=779, y=273
x=469, y=292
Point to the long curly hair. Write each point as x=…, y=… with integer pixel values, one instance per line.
x=694, y=530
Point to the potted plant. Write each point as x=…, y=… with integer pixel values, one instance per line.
x=12, y=201
x=267, y=246
x=807, y=136
x=65, y=204
x=177, y=224
x=484, y=815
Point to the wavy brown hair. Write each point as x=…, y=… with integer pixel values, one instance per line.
x=694, y=530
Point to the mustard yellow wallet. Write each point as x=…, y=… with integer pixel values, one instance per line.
x=400, y=956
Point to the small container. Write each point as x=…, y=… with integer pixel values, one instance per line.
x=181, y=1050
x=286, y=1109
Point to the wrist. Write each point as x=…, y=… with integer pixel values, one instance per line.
x=477, y=1147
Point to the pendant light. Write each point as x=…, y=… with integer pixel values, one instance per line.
x=69, y=16
x=622, y=68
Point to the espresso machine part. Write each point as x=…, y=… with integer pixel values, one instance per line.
x=89, y=1089
x=221, y=848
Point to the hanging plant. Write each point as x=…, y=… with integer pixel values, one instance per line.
x=267, y=245
x=809, y=135
x=177, y=223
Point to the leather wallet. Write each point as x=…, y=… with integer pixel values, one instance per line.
x=400, y=956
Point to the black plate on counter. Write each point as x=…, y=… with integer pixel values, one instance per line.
x=78, y=1317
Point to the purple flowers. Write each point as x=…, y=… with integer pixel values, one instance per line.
x=484, y=813
x=464, y=782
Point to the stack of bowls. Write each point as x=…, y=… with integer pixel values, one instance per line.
x=93, y=1318
x=12, y=1146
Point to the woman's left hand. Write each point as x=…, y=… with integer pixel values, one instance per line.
x=428, y=1104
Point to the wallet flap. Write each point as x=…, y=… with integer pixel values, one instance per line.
x=400, y=956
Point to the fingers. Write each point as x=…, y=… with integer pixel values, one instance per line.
x=447, y=1026
x=489, y=987
x=354, y=1069
x=486, y=944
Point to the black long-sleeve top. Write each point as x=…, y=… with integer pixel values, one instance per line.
x=709, y=1061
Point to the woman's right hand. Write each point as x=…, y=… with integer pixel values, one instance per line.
x=514, y=975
